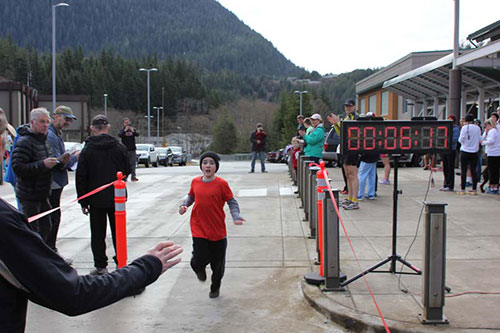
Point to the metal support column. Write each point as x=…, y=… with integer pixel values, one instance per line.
x=331, y=251
x=433, y=282
x=313, y=213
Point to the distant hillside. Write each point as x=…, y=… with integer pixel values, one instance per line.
x=199, y=30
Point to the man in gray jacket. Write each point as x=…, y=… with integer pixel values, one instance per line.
x=63, y=117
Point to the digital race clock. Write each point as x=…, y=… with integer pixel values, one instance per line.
x=396, y=136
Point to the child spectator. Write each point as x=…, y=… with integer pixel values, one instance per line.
x=209, y=193
x=295, y=153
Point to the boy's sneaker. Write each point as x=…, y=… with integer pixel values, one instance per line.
x=201, y=275
x=351, y=206
x=360, y=198
x=214, y=294
x=99, y=271
x=345, y=203
x=370, y=197
x=385, y=182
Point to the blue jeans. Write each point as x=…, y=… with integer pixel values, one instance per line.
x=262, y=156
x=367, y=173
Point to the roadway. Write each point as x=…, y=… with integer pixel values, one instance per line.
x=266, y=259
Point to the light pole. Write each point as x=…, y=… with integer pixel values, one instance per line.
x=61, y=4
x=300, y=93
x=158, y=108
x=106, y=105
x=180, y=129
x=148, y=70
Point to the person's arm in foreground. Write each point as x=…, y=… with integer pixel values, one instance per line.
x=52, y=283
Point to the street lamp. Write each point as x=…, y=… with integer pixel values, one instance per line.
x=158, y=108
x=300, y=93
x=148, y=70
x=61, y=4
x=180, y=130
x=106, y=105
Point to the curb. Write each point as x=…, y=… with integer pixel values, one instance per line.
x=362, y=322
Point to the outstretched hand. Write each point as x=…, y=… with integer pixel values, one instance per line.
x=239, y=222
x=166, y=251
x=182, y=209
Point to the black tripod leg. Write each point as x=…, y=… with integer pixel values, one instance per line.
x=406, y=263
x=371, y=269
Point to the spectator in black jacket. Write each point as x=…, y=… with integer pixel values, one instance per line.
x=128, y=134
x=33, y=162
x=29, y=269
x=258, y=139
x=101, y=158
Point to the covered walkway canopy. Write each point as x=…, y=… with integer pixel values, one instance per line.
x=428, y=85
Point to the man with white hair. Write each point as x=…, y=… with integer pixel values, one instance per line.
x=33, y=162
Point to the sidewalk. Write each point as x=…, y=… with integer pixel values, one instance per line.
x=472, y=252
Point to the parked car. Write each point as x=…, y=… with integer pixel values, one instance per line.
x=72, y=147
x=271, y=156
x=179, y=155
x=147, y=154
x=165, y=156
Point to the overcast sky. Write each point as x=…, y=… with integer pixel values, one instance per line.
x=337, y=36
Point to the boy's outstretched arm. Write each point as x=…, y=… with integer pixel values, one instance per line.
x=188, y=201
x=234, y=208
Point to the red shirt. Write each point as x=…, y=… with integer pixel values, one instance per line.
x=207, y=217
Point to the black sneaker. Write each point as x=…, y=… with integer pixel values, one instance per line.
x=214, y=294
x=202, y=275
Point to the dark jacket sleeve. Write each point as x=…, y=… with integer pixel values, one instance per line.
x=22, y=163
x=52, y=283
x=121, y=133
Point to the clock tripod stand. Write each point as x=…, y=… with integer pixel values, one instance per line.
x=394, y=257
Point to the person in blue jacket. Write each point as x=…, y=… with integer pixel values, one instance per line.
x=314, y=139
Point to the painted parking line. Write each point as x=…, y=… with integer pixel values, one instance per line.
x=254, y=192
x=286, y=191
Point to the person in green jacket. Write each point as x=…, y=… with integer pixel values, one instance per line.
x=314, y=138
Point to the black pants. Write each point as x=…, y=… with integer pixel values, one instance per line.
x=449, y=169
x=43, y=225
x=55, y=218
x=207, y=252
x=98, y=234
x=493, y=169
x=466, y=160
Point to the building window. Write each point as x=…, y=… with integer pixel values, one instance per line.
x=362, y=106
x=372, y=106
x=385, y=103
x=405, y=106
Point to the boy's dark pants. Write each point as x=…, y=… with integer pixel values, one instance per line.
x=207, y=252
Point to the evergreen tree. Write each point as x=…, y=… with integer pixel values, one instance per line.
x=225, y=136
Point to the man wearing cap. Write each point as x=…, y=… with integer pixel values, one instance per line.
x=33, y=163
x=63, y=117
x=350, y=161
x=314, y=138
x=258, y=139
x=101, y=158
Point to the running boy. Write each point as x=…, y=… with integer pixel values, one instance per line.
x=208, y=228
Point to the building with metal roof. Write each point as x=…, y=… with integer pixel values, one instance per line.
x=403, y=90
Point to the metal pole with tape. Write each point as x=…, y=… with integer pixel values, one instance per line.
x=121, y=220
x=313, y=214
x=433, y=282
x=331, y=250
x=320, y=187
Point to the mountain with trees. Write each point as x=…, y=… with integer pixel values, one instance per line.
x=201, y=31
